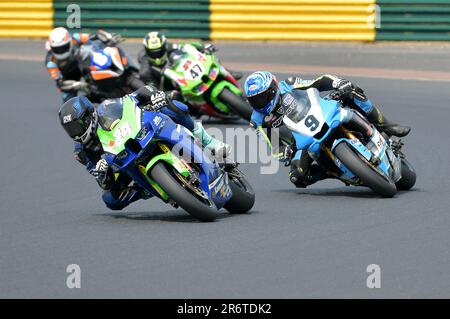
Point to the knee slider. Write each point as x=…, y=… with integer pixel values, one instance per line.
x=111, y=202
x=296, y=175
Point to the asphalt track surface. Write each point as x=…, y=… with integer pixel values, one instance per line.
x=296, y=243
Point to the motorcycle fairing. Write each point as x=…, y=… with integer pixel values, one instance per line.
x=149, y=128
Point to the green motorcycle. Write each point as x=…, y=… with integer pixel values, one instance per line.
x=205, y=85
x=147, y=146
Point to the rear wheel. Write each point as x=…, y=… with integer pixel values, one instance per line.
x=177, y=189
x=243, y=197
x=236, y=103
x=363, y=170
x=408, y=179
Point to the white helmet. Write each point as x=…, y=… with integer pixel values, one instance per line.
x=60, y=42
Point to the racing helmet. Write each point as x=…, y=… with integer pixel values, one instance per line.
x=60, y=43
x=262, y=91
x=155, y=45
x=79, y=119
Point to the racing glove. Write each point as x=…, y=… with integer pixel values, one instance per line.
x=150, y=98
x=158, y=100
x=108, y=38
x=344, y=87
x=210, y=48
x=348, y=90
x=100, y=172
x=285, y=155
x=71, y=85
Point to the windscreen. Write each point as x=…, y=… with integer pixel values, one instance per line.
x=176, y=56
x=299, y=107
x=87, y=49
x=109, y=113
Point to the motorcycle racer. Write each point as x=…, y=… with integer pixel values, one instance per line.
x=108, y=71
x=61, y=60
x=155, y=54
x=79, y=119
x=270, y=99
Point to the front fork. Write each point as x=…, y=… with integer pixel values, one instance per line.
x=355, y=122
x=327, y=149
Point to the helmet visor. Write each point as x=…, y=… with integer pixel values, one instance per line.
x=62, y=48
x=156, y=54
x=260, y=101
x=77, y=128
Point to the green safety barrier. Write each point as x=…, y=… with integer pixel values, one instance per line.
x=176, y=18
x=415, y=20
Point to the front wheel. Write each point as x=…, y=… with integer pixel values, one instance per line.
x=236, y=103
x=243, y=197
x=183, y=196
x=408, y=179
x=362, y=169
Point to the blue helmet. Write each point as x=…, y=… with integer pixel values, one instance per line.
x=79, y=119
x=261, y=89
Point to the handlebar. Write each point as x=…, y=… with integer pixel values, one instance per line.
x=335, y=95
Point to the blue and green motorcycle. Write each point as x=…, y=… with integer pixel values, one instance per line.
x=164, y=159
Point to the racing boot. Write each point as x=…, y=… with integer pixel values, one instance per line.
x=384, y=125
x=218, y=149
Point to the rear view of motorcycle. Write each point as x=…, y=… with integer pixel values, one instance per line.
x=108, y=71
